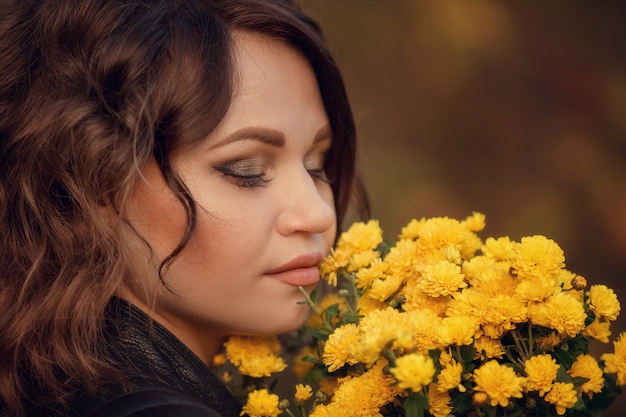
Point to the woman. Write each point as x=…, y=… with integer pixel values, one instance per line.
x=172, y=172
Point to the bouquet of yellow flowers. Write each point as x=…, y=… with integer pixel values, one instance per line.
x=442, y=323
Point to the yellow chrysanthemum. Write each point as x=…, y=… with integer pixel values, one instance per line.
x=364, y=395
x=415, y=299
x=615, y=363
x=469, y=303
x=255, y=356
x=445, y=357
x=475, y=222
x=488, y=348
x=456, y=330
x=561, y=312
x=563, y=396
x=383, y=288
x=503, y=312
x=536, y=289
x=303, y=393
x=541, y=372
x=412, y=230
x=360, y=237
x=586, y=366
x=499, y=249
x=362, y=260
x=537, y=257
x=439, y=403
x=493, y=281
x=499, y=382
x=339, y=348
x=260, y=366
x=603, y=302
x=365, y=304
x=437, y=233
x=331, y=265
x=450, y=377
x=475, y=267
x=331, y=410
x=261, y=403
x=598, y=330
x=381, y=328
x=401, y=259
x=452, y=254
x=423, y=329
x=442, y=278
x=413, y=371
x=376, y=270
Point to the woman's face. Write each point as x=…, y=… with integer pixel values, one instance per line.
x=265, y=212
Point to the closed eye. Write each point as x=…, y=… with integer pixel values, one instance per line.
x=245, y=173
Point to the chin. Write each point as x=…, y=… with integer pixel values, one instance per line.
x=296, y=320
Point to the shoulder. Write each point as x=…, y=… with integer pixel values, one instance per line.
x=148, y=400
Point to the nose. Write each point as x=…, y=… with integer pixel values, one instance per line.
x=307, y=207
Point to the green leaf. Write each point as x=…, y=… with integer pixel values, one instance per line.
x=350, y=318
x=434, y=355
x=468, y=352
x=310, y=359
x=315, y=375
x=415, y=405
x=563, y=376
x=319, y=334
x=331, y=312
x=579, y=380
x=563, y=357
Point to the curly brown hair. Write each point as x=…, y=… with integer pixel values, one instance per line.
x=90, y=90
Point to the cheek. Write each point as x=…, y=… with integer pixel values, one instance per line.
x=155, y=213
x=331, y=233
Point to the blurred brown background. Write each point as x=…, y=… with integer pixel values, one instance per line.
x=514, y=109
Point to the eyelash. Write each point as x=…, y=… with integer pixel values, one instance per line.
x=319, y=174
x=245, y=180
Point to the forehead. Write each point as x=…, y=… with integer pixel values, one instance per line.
x=261, y=59
x=274, y=86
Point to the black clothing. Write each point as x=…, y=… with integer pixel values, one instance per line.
x=168, y=379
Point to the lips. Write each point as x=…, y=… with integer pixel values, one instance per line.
x=300, y=271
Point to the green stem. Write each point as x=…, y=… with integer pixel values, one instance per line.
x=520, y=346
x=316, y=310
x=288, y=411
x=310, y=302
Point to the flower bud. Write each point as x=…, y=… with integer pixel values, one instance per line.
x=283, y=404
x=396, y=301
x=479, y=399
x=579, y=282
x=343, y=292
x=320, y=396
x=530, y=404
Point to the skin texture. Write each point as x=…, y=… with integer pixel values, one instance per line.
x=263, y=201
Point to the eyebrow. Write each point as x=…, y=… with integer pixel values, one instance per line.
x=269, y=136
x=325, y=133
